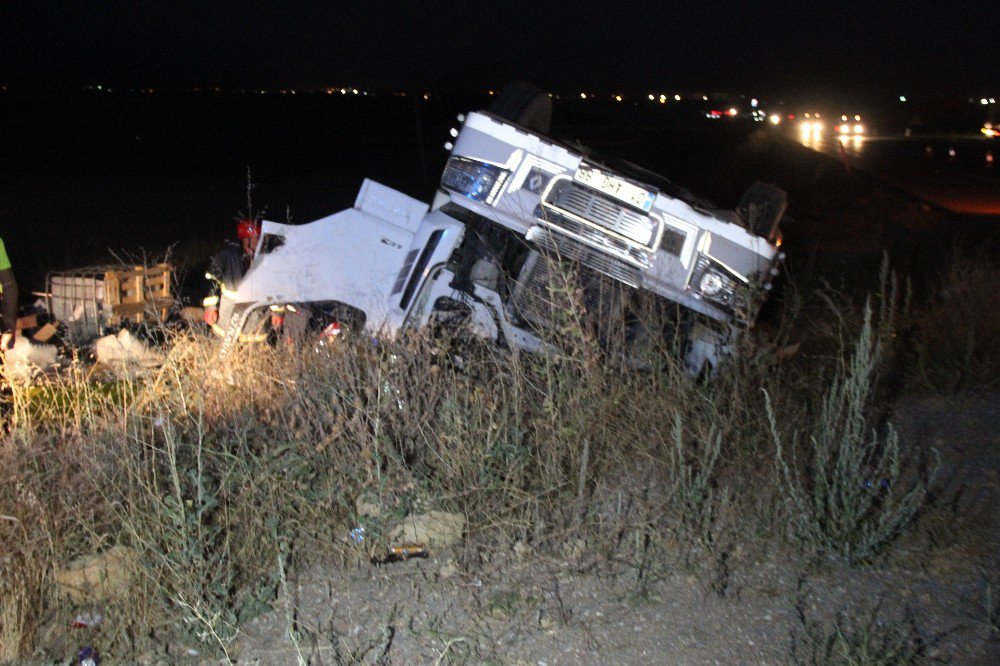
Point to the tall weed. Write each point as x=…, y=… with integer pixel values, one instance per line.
x=848, y=492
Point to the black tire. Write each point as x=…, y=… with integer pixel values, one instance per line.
x=762, y=207
x=527, y=105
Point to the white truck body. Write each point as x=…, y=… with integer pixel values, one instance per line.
x=639, y=236
x=509, y=198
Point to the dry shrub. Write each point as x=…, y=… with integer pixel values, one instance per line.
x=848, y=491
x=859, y=637
x=48, y=500
x=24, y=564
x=956, y=335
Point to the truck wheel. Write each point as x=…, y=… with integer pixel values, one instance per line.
x=761, y=208
x=527, y=105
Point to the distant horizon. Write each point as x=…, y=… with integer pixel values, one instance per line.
x=601, y=93
x=814, y=50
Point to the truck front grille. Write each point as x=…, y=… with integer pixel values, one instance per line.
x=534, y=301
x=572, y=197
x=566, y=248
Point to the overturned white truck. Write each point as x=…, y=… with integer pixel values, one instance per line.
x=512, y=204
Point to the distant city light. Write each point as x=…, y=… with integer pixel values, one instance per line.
x=754, y=102
x=651, y=97
x=902, y=98
x=663, y=98
x=733, y=111
x=677, y=97
x=983, y=101
x=775, y=119
x=583, y=95
x=618, y=98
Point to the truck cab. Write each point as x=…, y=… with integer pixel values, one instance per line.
x=514, y=209
x=640, y=234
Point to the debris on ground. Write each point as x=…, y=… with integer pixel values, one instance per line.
x=94, y=299
x=401, y=553
x=367, y=507
x=88, y=657
x=27, y=358
x=435, y=529
x=124, y=349
x=87, y=621
x=105, y=576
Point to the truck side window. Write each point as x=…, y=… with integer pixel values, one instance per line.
x=418, y=269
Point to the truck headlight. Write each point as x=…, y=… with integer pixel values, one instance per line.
x=715, y=283
x=712, y=283
x=476, y=180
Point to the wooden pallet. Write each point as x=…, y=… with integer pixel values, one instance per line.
x=137, y=293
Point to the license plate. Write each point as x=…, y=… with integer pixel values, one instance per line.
x=622, y=190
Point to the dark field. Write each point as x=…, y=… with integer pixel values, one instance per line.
x=92, y=177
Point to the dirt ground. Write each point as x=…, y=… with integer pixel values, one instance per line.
x=939, y=587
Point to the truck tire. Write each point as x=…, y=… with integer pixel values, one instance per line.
x=527, y=105
x=761, y=208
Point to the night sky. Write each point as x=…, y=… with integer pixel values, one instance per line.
x=763, y=47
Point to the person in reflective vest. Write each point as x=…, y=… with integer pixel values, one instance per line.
x=8, y=291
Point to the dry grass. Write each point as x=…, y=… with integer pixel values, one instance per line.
x=222, y=477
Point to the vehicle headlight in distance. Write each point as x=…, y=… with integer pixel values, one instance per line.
x=476, y=180
x=716, y=284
